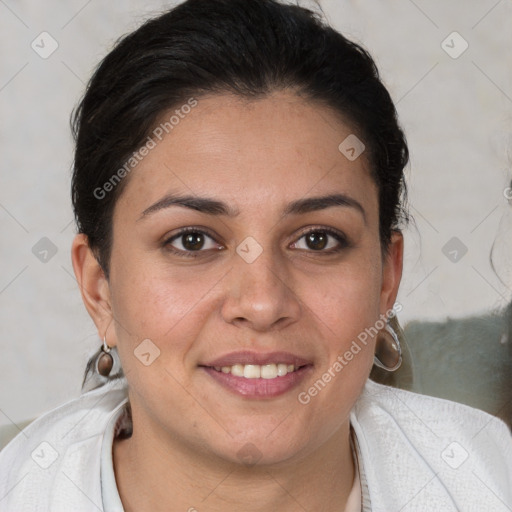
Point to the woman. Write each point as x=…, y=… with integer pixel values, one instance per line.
x=238, y=190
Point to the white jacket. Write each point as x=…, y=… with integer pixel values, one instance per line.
x=418, y=453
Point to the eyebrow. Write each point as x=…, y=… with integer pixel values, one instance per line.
x=212, y=206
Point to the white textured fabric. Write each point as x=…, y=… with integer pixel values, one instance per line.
x=354, y=498
x=417, y=453
x=110, y=495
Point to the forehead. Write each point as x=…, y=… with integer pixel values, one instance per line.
x=278, y=147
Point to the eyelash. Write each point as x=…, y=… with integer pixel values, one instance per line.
x=344, y=243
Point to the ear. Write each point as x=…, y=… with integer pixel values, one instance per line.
x=93, y=284
x=392, y=271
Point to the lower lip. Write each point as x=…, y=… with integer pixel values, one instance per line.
x=259, y=388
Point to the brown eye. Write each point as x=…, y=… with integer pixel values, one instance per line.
x=192, y=241
x=317, y=240
x=320, y=239
x=189, y=241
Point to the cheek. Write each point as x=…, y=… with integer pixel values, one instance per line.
x=346, y=305
x=345, y=301
x=152, y=298
x=165, y=305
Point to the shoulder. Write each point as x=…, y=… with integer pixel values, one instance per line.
x=463, y=449
x=438, y=414
x=428, y=417
x=55, y=452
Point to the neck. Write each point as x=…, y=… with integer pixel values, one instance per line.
x=155, y=471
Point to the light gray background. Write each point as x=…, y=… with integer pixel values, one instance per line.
x=457, y=114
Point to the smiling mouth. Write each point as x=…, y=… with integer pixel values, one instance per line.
x=256, y=371
x=259, y=381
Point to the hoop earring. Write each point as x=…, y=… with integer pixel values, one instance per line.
x=105, y=362
x=388, y=351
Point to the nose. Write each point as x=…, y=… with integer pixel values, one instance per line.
x=260, y=294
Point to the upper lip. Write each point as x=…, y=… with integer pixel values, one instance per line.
x=259, y=358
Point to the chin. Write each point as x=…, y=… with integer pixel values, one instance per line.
x=257, y=448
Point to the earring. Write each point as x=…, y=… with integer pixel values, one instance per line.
x=105, y=362
x=388, y=351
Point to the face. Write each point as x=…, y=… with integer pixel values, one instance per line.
x=264, y=278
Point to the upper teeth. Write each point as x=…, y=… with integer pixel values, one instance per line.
x=255, y=371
